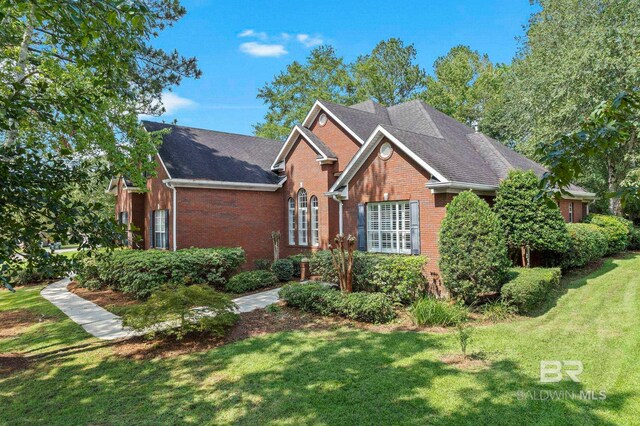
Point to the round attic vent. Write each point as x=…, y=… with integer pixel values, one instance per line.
x=386, y=150
x=322, y=120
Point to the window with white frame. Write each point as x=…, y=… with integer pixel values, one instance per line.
x=315, y=232
x=571, y=212
x=303, y=238
x=123, y=219
x=292, y=221
x=160, y=231
x=389, y=227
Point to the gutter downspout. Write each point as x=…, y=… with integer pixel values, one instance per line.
x=340, y=226
x=174, y=214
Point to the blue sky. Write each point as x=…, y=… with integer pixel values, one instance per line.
x=241, y=45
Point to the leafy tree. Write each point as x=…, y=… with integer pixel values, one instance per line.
x=529, y=222
x=473, y=253
x=608, y=138
x=75, y=76
x=463, y=85
x=389, y=74
x=575, y=54
x=292, y=93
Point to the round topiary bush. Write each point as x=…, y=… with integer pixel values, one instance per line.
x=588, y=242
x=529, y=223
x=473, y=253
x=616, y=231
x=250, y=280
x=283, y=268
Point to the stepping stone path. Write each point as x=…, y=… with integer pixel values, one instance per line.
x=104, y=325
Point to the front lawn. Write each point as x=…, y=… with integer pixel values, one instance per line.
x=344, y=375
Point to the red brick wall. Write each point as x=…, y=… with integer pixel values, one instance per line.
x=229, y=218
x=303, y=171
x=339, y=140
x=402, y=179
x=133, y=204
x=157, y=197
x=579, y=208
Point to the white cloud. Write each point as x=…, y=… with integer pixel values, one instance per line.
x=309, y=41
x=262, y=50
x=172, y=102
x=252, y=33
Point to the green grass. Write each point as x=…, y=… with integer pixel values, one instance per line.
x=345, y=376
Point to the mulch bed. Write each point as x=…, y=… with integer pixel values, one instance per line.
x=13, y=323
x=250, y=324
x=11, y=363
x=103, y=297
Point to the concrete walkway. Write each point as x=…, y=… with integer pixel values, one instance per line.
x=104, y=325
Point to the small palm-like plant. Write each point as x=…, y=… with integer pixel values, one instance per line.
x=342, y=257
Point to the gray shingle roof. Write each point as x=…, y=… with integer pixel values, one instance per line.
x=453, y=149
x=191, y=153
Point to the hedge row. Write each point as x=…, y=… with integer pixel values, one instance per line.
x=400, y=277
x=528, y=288
x=616, y=229
x=324, y=300
x=140, y=272
x=587, y=242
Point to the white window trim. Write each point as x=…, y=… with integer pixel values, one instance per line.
x=159, y=229
x=303, y=217
x=315, y=222
x=571, y=212
x=399, y=228
x=291, y=207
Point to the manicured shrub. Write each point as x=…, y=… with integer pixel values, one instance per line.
x=433, y=312
x=587, y=243
x=528, y=288
x=251, y=280
x=318, y=298
x=615, y=229
x=398, y=276
x=170, y=311
x=529, y=223
x=634, y=243
x=262, y=265
x=140, y=272
x=296, y=259
x=473, y=253
x=283, y=268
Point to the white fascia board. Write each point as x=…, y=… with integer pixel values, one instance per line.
x=314, y=112
x=110, y=188
x=580, y=195
x=216, y=184
x=286, y=148
x=358, y=160
x=163, y=166
x=454, y=187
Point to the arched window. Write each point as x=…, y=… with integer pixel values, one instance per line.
x=292, y=221
x=315, y=233
x=303, y=238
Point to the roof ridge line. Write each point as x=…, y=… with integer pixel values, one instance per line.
x=211, y=130
x=493, y=149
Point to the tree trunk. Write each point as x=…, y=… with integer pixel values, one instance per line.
x=523, y=256
x=21, y=68
x=615, y=206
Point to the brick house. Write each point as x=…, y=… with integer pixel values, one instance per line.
x=384, y=174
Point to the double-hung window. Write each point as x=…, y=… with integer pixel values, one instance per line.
x=303, y=228
x=292, y=221
x=571, y=212
x=389, y=227
x=160, y=231
x=123, y=219
x=315, y=231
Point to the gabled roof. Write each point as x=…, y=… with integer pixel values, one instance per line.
x=199, y=154
x=324, y=152
x=453, y=153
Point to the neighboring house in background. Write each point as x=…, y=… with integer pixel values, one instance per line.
x=383, y=174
